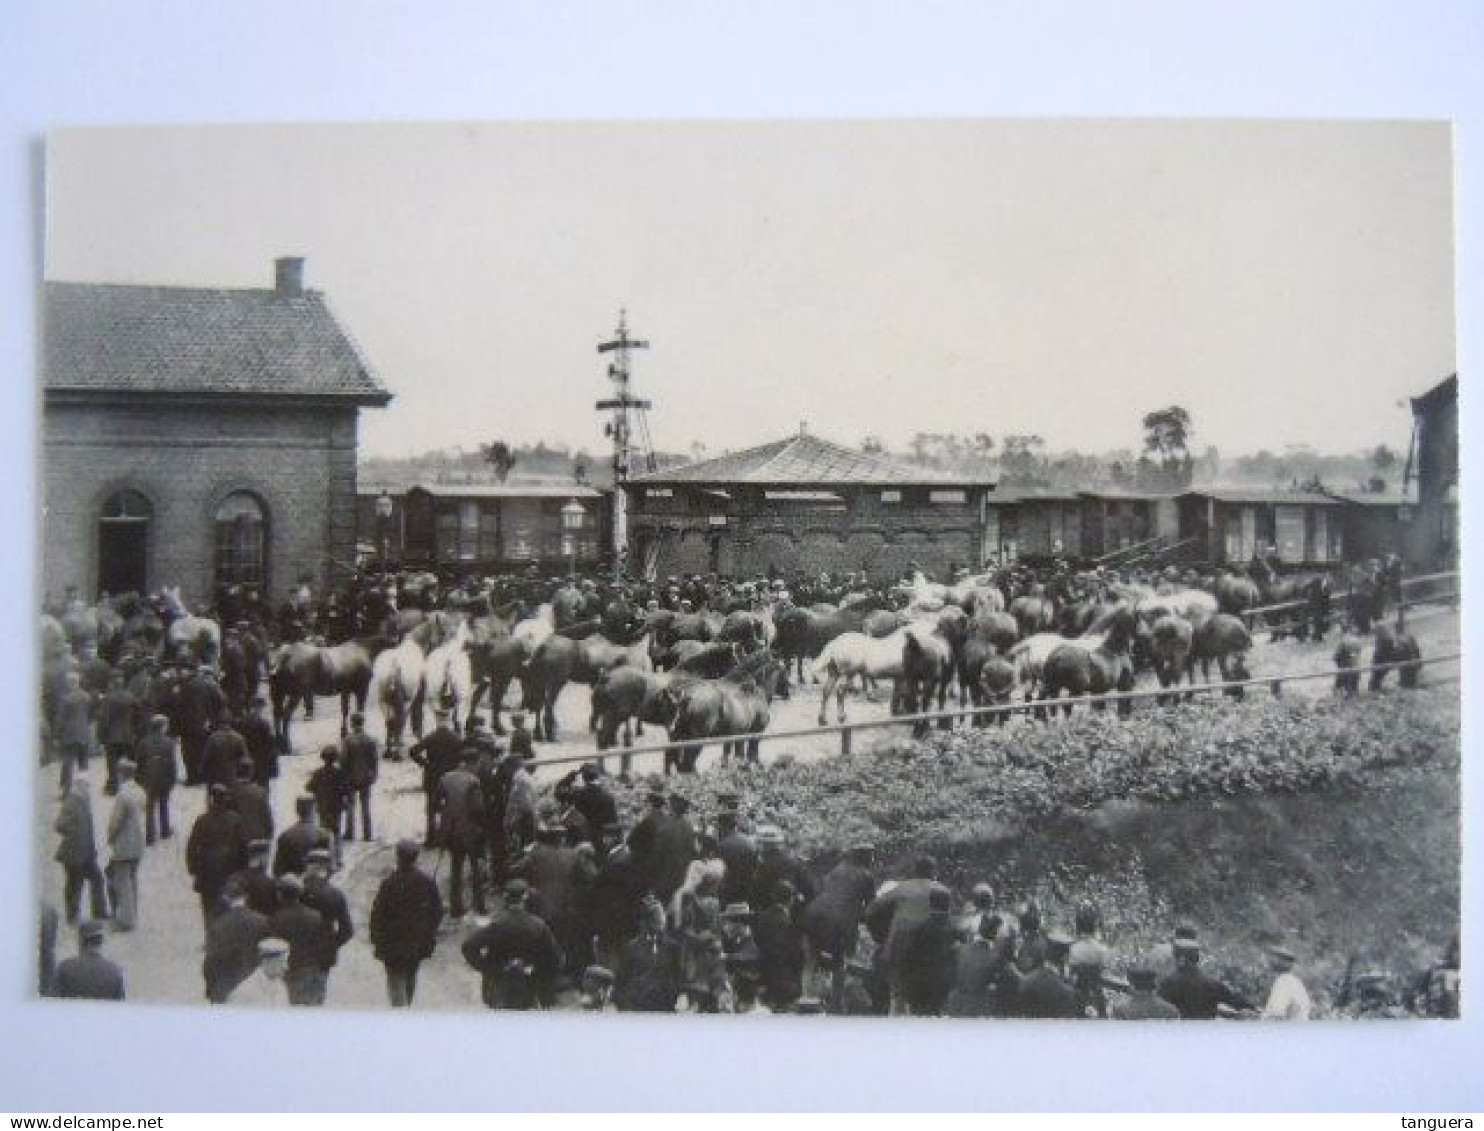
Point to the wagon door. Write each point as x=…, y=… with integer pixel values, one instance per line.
x=1290, y=534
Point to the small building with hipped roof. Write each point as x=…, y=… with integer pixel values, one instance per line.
x=805, y=503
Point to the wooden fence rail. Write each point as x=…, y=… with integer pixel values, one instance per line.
x=847, y=730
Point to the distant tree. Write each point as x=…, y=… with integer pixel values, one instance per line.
x=1383, y=463
x=697, y=451
x=500, y=457
x=1023, y=461
x=581, y=467
x=873, y=446
x=1167, y=434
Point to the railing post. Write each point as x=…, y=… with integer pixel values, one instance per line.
x=1276, y=687
x=845, y=742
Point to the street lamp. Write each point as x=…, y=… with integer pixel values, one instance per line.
x=572, y=517
x=383, y=524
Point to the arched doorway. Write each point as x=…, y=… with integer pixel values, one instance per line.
x=123, y=543
x=242, y=541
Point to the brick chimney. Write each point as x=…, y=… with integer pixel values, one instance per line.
x=288, y=276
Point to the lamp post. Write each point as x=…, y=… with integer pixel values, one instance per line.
x=383, y=525
x=572, y=518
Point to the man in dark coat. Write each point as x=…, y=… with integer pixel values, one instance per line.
x=647, y=972
x=516, y=955
x=1192, y=991
x=72, y=729
x=460, y=807
x=259, y=889
x=832, y=919
x=89, y=974
x=592, y=799
x=200, y=705
x=614, y=906
x=223, y=751
x=158, y=773
x=664, y=844
x=780, y=946
x=232, y=945
x=929, y=955
x=297, y=841
x=438, y=753
x=1044, y=992
x=233, y=663
x=262, y=744
x=404, y=923
x=560, y=879
x=775, y=862
x=360, y=759
x=331, y=790
x=893, y=915
x=305, y=931
x=115, y=727
x=77, y=851
x=217, y=848
x=739, y=853
x=323, y=896
x=252, y=804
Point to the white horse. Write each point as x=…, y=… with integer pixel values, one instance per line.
x=200, y=636
x=397, y=678
x=533, y=630
x=448, y=669
x=872, y=658
x=1195, y=605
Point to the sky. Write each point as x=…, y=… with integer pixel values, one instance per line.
x=1286, y=282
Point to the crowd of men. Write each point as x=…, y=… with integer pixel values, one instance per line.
x=561, y=903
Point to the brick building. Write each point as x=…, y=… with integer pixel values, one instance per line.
x=198, y=436
x=805, y=503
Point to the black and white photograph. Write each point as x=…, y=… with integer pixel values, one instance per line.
x=977, y=569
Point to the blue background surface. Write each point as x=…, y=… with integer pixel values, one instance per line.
x=75, y=62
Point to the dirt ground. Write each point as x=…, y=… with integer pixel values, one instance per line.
x=162, y=957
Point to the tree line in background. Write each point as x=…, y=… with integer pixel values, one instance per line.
x=1165, y=461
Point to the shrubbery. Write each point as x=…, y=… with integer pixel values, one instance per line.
x=953, y=788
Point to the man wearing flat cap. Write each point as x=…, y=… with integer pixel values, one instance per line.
x=232, y=945
x=1142, y=1003
x=305, y=931
x=438, y=753
x=404, y=923
x=516, y=955
x=266, y=986
x=158, y=773
x=1044, y=991
x=216, y=849
x=126, y=845
x=461, y=832
x=89, y=974
x=324, y=897
x=301, y=838
x=1197, y=995
x=262, y=743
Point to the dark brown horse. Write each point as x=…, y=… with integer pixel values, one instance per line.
x=300, y=671
x=737, y=704
x=1097, y=671
x=803, y=633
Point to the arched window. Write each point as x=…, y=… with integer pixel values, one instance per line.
x=241, y=540
x=123, y=542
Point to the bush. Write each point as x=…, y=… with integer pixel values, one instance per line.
x=974, y=784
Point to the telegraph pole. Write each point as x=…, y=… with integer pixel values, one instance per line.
x=625, y=408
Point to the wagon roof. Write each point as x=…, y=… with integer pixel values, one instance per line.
x=804, y=459
x=1257, y=496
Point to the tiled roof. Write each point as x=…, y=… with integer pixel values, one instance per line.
x=1257, y=496
x=1369, y=499
x=805, y=459
x=107, y=338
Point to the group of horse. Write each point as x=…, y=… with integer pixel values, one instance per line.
x=701, y=673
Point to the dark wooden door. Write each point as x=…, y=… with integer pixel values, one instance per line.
x=121, y=555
